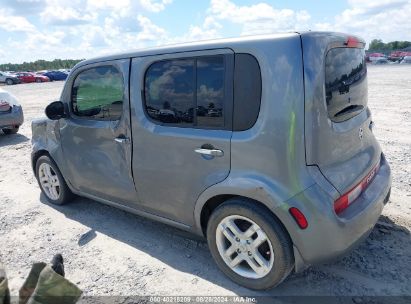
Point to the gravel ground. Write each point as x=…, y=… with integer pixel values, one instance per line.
x=111, y=252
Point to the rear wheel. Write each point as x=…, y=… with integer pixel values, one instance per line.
x=51, y=181
x=249, y=245
x=9, y=81
x=10, y=131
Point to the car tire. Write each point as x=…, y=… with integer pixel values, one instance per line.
x=273, y=259
x=38, y=80
x=47, y=173
x=10, y=131
x=9, y=81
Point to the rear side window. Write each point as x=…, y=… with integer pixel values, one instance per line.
x=345, y=83
x=247, y=91
x=97, y=93
x=187, y=92
x=210, y=91
x=169, y=91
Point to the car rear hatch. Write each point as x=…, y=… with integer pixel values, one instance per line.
x=338, y=124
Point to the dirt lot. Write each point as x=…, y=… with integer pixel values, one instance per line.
x=110, y=252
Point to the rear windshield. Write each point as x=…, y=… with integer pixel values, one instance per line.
x=345, y=83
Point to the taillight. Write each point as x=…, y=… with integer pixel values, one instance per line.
x=348, y=198
x=298, y=217
x=4, y=106
x=354, y=42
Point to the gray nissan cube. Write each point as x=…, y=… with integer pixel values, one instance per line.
x=263, y=145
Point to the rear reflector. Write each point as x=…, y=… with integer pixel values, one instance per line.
x=348, y=198
x=299, y=217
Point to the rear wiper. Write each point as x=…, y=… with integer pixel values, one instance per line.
x=350, y=109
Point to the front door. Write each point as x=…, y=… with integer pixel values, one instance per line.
x=181, y=128
x=96, y=137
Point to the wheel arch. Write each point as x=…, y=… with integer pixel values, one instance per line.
x=212, y=203
x=259, y=189
x=36, y=155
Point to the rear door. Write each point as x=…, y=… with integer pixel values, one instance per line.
x=339, y=138
x=182, y=105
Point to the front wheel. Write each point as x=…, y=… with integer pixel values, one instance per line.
x=249, y=245
x=38, y=80
x=51, y=182
x=9, y=81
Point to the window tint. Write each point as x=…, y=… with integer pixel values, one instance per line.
x=98, y=94
x=345, y=83
x=210, y=91
x=247, y=91
x=187, y=92
x=169, y=91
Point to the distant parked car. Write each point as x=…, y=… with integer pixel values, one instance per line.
x=381, y=61
x=213, y=113
x=399, y=55
x=406, y=60
x=11, y=113
x=9, y=78
x=27, y=77
x=67, y=71
x=41, y=77
x=56, y=75
x=344, y=88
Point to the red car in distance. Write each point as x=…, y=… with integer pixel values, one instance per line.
x=26, y=77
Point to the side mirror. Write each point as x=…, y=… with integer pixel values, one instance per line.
x=56, y=110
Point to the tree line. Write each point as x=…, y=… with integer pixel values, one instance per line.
x=378, y=44
x=40, y=65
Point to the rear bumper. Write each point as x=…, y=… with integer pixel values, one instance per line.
x=13, y=119
x=329, y=236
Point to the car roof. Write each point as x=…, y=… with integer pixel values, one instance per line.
x=187, y=47
x=243, y=41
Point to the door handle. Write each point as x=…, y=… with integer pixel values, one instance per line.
x=210, y=152
x=122, y=140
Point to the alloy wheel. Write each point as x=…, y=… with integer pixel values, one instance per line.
x=49, y=181
x=244, y=247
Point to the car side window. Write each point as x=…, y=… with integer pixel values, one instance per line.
x=186, y=92
x=169, y=91
x=210, y=91
x=97, y=93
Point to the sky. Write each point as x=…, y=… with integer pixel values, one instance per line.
x=76, y=29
